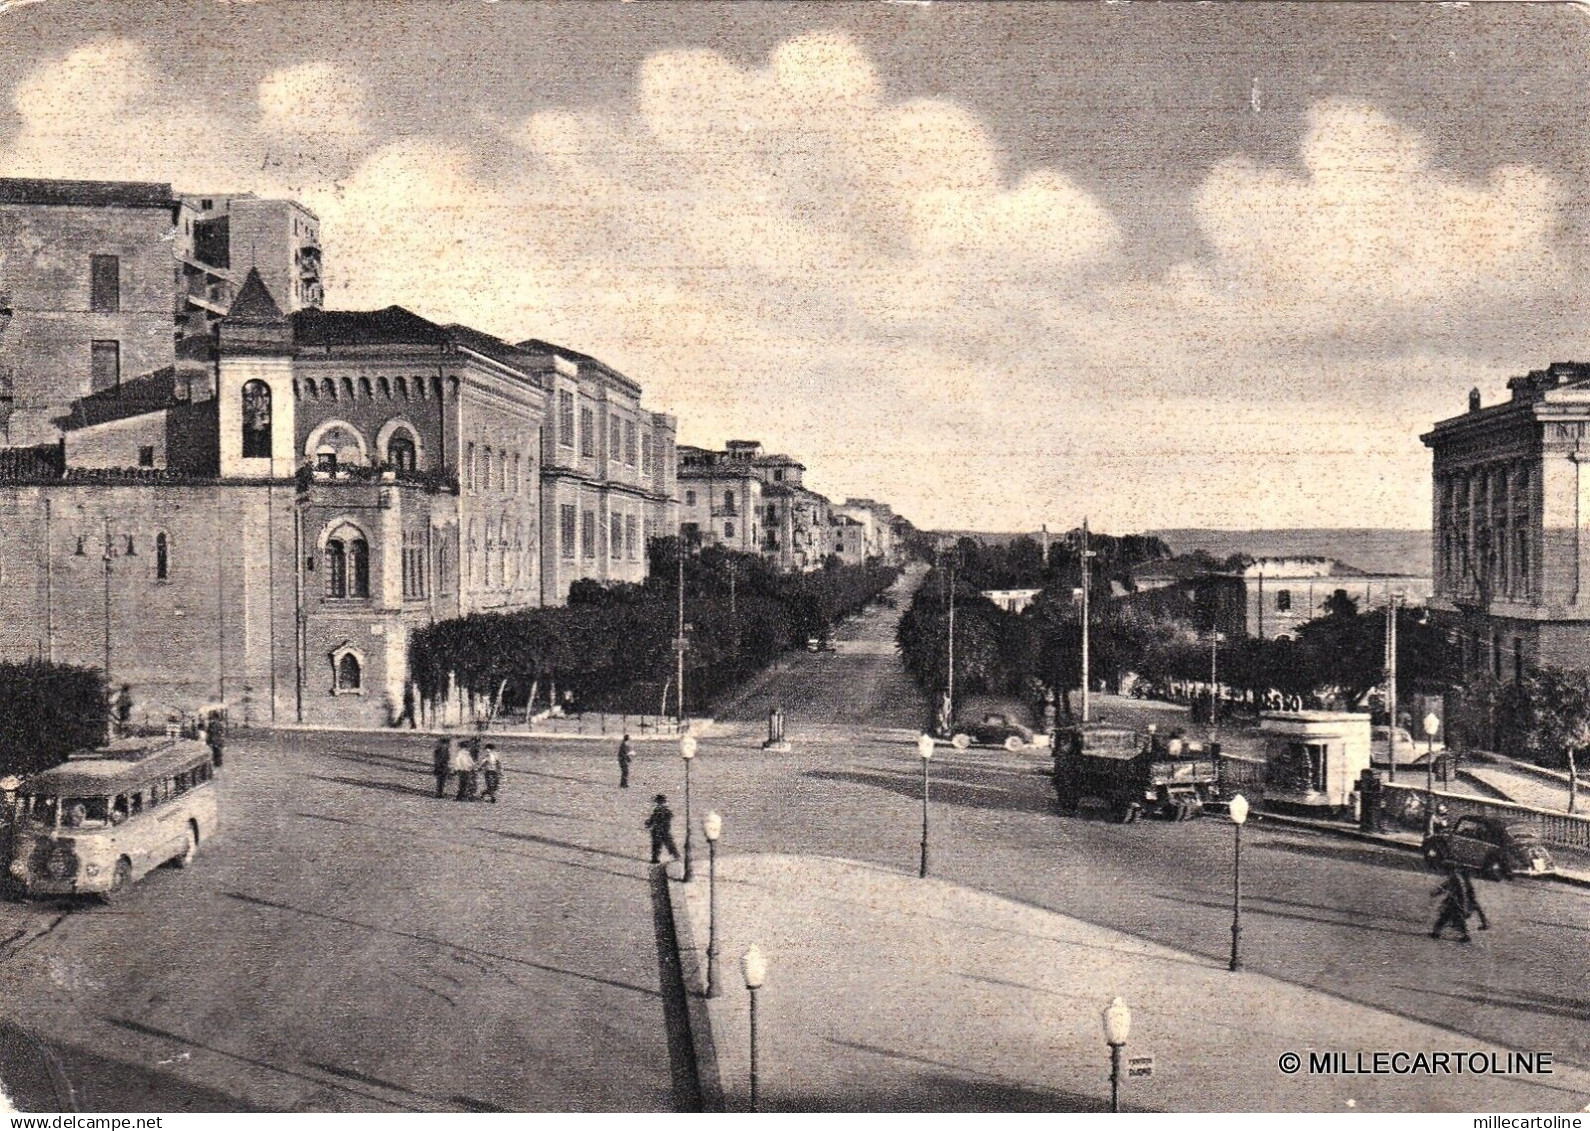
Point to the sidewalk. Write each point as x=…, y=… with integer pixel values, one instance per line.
x=886, y=992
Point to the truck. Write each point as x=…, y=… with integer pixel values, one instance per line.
x=1134, y=772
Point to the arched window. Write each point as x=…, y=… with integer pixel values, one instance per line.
x=400, y=452
x=400, y=386
x=347, y=564
x=419, y=387
x=347, y=387
x=485, y=478
x=364, y=388
x=256, y=420
x=329, y=388
x=162, y=557
x=350, y=674
x=728, y=501
x=386, y=388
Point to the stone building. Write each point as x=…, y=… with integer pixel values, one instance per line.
x=86, y=296
x=1510, y=512
x=608, y=476
x=720, y=498
x=220, y=238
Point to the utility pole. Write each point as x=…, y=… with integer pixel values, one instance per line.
x=1214, y=682
x=951, y=691
x=1391, y=685
x=679, y=643
x=1085, y=586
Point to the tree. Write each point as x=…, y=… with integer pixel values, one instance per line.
x=1555, y=722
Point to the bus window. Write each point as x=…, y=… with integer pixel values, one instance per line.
x=135, y=803
x=180, y=783
x=119, y=809
x=85, y=812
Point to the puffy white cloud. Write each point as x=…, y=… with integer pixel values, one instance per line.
x=311, y=100
x=786, y=251
x=1372, y=224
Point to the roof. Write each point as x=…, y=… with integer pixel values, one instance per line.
x=127, y=763
x=153, y=392
x=391, y=325
x=515, y=357
x=254, y=300
x=537, y=345
x=93, y=194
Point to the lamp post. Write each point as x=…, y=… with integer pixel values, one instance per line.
x=687, y=751
x=712, y=826
x=754, y=966
x=1391, y=684
x=1432, y=723
x=1117, y=1026
x=1239, y=815
x=924, y=747
x=1214, y=682
x=1086, y=554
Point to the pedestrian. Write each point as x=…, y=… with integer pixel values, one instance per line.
x=121, y=709
x=1454, y=906
x=624, y=759
x=215, y=735
x=464, y=767
x=492, y=766
x=442, y=763
x=1474, y=900
x=661, y=826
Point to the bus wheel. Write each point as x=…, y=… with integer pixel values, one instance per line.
x=120, y=881
x=190, y=848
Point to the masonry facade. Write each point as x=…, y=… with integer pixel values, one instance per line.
x=1511, y=523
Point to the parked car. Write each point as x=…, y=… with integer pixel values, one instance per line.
x=1496, y=848
x=992, y=729
x=820, y=644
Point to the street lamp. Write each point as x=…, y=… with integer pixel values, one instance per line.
x=712, y=826
x=1117, y=1026
x=687, y=751
x=1214, y=681
x=924, y=747
x=754, y=967
x=1432, y=723
x=1239, y=815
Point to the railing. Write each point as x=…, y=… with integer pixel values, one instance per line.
x=1405, y=806
x=588, y=724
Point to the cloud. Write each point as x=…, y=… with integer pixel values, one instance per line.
x=311, y=100
x=1372, y=226
x=786, y=250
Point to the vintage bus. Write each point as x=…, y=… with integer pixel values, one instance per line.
x=103, y=819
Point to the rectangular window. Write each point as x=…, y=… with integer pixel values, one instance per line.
x=516, y=480
x=146, y=456
x=629, y=442
x=104, y=284
x=588, y=535
x=629, y=538
x=105, y=366
x=1283, y=600
x=587, y=432
x=645, y=453
x=566, y=418
x=615, y=538
x=690, y=498
x=728, y=530
x=469, y=466
x=566, y=522
x=615, y=437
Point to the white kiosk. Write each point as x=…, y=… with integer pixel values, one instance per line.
x=1314, y=757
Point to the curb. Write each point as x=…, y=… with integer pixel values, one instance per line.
x=1568, y=878
x=709, y=1079
x=702, y=729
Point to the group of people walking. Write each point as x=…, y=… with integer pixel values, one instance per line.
x=468, y=761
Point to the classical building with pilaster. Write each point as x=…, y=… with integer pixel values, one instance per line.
x=1511, y=524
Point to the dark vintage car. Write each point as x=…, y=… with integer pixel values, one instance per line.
x=820, y=644
x=993, y=729
x=1498, y=849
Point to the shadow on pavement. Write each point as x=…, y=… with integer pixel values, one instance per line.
x=946, y=1088
x=1554, y=1004
x=1253, y=905
x=378, y=786
x=956, y=791
x=444, y=944
x=1374, y=857
x=682, y=1063
x=553, y=842
x=165, y=1035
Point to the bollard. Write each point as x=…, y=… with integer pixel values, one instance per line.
x=775, y=732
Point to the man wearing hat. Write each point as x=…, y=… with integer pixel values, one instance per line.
x=661, y=826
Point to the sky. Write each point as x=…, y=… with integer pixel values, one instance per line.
x=1000, y=265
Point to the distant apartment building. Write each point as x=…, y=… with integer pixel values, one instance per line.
x=849, y=539
x=220, y=238
x=608, y=476
x=106, y=284
x=1511, y=524
x=720, y=499
x=85, y=296
x=879, y=522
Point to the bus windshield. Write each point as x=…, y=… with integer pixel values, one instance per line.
x=66, y=812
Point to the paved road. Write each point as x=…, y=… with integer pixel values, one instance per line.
x=352, y=943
